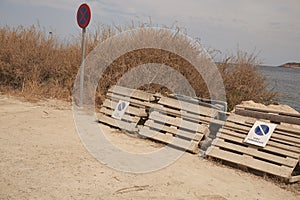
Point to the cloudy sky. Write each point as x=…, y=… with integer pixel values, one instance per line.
x=270, y=27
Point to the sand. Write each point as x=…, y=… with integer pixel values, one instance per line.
x=42, y=157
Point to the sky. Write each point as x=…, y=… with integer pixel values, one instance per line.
x=269, y=28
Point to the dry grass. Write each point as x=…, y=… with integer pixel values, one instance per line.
x=35, y=64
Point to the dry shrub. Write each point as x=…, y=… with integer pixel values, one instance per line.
x=243, y=81
x=33, y=63
x=36, y=64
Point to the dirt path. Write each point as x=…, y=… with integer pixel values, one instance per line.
x=41, y=157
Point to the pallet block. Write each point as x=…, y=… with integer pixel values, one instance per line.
x=280, y=157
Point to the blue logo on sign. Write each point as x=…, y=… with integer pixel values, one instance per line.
x=121, y=106
x=262, y=130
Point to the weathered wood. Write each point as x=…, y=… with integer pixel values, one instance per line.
x=176, y=121
x=191, y=146
x=252, y=151
x=272, y=146
x=279, y=157
x=265, y=110
x=248, y=121
x=189, y=107
x=275, y=135
x=197, y=136
x=183, y=114
x=126, y=117
x=133, y=93
x=130, y=110
x=269, y=116
x=117, y=123
x=294, y=179
x=247, y=161
x=134, y=102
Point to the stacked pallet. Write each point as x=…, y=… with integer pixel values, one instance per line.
x=275, y=116
x=179, y=123
x=139, y=102
x=280, y=157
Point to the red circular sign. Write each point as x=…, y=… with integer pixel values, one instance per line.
x=83, y=15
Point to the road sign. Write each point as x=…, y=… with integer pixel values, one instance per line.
x=83, y=15
x=260, y=133
x=83, y=20
x=120, y=110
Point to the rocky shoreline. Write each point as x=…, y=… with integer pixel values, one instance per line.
x=291, y=65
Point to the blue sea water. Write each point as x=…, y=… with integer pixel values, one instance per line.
x=286, y=81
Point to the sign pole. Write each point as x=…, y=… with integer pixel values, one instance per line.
x=82, y=67
x=83, y=19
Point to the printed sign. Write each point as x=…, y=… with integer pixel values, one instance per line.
x=260, y=133
x=120, y=110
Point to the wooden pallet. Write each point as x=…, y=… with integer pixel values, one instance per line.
x=280, y=157
x=175, y=131
x=269, y=114
x=138, y=100
x=184, y=109
x=181, y=123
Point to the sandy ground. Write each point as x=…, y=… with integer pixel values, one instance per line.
x=41, y=157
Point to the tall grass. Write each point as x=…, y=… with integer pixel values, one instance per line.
x=35, y=64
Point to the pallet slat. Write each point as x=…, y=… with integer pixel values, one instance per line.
x=130, y=110
x=134, y=93
x=191, y=146
x=174, y=130
x=125, y=117
x=289, y=162
x=281, y=171
x=189, y=107
x=134, y=102
x=268, y=148
x=176, y=121
x=117, y=123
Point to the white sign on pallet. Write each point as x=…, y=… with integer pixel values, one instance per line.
x=260, y=133
x=120, y=110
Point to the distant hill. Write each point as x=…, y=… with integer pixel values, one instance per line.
x=291, y=65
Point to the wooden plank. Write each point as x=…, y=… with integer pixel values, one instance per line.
x=130, y=110
x=265, y=110
x=269, y=116
x=134, y=102
x=271, y=146
x=252, y=151
x=247, y=161
x=176, y=121
x=191, y=146
x=287, y=133
x=133, y=93
x=182, y=114
x=126, y=117
x=275, y=135
x=250, y=121
x=117, y=123
x=189, y=107
x=294, y=179
x=292, y=144
x=174, y=130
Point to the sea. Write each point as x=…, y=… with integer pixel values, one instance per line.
x=285, y=81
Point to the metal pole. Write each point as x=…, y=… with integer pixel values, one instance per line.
x=82, y=68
